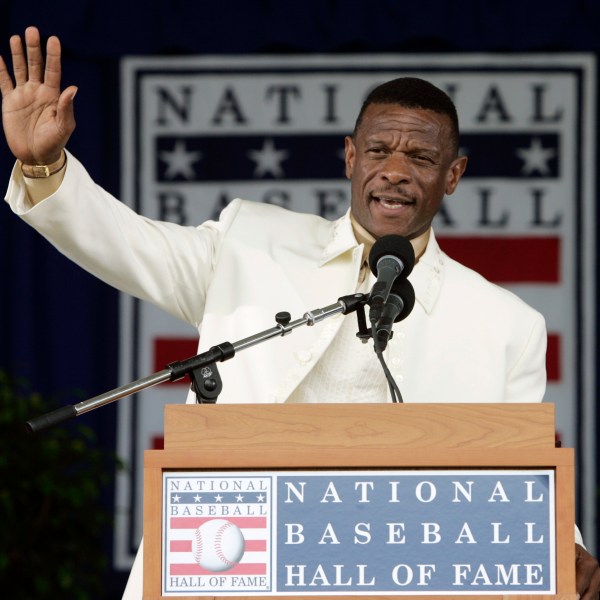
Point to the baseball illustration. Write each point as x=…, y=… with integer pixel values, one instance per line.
x=218, y=545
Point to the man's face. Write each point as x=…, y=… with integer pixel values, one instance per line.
x=401, y=164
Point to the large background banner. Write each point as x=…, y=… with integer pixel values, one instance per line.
x=198, y=132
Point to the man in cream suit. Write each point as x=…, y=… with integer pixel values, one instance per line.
x=465, y=341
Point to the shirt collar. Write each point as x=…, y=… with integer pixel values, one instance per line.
x=362, y=236
x=427, y=275
x=342, y=239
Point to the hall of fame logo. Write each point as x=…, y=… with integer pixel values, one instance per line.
x=216, y=533
x=200, y=131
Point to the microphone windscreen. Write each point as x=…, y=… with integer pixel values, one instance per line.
x=393, y=245
x=404, y=289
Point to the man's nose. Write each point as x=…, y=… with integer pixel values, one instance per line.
x=396, y=169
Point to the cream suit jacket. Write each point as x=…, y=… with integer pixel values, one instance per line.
x=466, y=340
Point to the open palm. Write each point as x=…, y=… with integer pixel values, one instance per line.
x=37, y=118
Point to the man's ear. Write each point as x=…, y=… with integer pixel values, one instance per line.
x=350, y=155
x=455, y=172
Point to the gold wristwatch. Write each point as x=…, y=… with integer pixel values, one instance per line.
x=42, y=171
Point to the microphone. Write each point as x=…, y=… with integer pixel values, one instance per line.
x=390, y=257
x=399, y=305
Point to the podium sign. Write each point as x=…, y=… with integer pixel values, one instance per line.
x=343, y=500
x=390, y=532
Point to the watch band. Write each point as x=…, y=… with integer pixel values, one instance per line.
x=42, y=171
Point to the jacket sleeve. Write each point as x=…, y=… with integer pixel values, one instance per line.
x=167, y=264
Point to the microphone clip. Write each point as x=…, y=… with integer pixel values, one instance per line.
x=365, y=332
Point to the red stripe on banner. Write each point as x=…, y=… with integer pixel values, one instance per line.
x=241, y=522
x=239, y=569
x=508, y=259
x=249, y=545
x=255, y=546
x=180, y=546
x=168, y=350
x=553, y=361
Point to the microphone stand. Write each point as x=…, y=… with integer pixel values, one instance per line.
x=202, y=368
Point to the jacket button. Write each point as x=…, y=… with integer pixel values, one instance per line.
x=304, y=356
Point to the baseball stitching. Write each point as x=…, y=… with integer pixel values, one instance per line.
x=198, y=554
x=218, y=540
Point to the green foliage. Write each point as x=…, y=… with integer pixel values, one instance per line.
x=51, y=536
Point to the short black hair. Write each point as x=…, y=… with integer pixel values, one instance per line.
x=412, y=92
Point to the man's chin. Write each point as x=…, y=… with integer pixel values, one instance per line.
x=390, y=221
x=389, y=227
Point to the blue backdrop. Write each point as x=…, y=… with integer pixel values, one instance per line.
x=58, y=325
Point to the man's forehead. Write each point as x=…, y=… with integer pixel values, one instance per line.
x=381, y=117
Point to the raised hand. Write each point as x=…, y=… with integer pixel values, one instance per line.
x=37, y=118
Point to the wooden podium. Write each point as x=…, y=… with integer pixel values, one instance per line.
x=354, y=436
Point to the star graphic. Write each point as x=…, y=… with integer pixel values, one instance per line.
x=260, y=498
x=179, y=160
x=239, y=498
x=218, y=498
x=268, y=159
x=176, y=498
x=536, y=158
x=197, y=498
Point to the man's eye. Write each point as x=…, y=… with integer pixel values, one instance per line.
x=423, y=158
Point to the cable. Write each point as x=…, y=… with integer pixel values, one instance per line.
x=394, y=389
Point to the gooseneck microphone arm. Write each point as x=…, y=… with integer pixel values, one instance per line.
x=202, y=367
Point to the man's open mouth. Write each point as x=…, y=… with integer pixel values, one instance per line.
x=392, y=202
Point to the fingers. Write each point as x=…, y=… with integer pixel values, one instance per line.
x=35, y=61
x=31, y=67
x=52, y=73
x=6, y=84
x=18, y=60
x=65, y=113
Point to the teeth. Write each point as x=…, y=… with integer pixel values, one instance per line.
x=387, y=203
